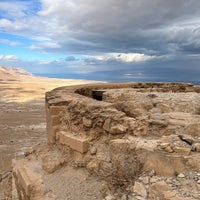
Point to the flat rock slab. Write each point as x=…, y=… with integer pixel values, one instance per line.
x=75, y=142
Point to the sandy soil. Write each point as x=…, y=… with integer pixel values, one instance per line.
x=30, y=88
x=22, y=114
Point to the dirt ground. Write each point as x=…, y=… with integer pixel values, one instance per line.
x=22, y=125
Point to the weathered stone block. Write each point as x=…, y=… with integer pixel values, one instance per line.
x=55, y=110
x=125, y=162
x=51, y=133
x=76, y=143
x=158, y=190
x=28, y=180
x=140, y=189
x=51, y=163
x=55, y=120
x=182, y=150
x=23, y=179
x=163, y=164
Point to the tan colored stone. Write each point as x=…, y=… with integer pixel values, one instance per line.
x=163, y=164
x=106, y=125
x=55, y=110
x=87, y=122
x=51, y=163
x=181, y=175
x=109, y=197
x=164, y=108
x=133, y=125
x=140, y=189
x=157, y=122
x=78, y=144
x=93, y=167
x=193, y=161
x=164, y=145
x=159, y=189
x=118, y=129
x=93, y=150
x=169, y=194
x=197, y=147
x=169, y=149
x=192, y=129
x=24, y=179
x=145, y=179
x=55, y=120
x=29, y=183
x=182, y=150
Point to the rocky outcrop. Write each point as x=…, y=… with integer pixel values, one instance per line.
x=142, y=139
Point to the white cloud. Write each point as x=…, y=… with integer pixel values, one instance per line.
x=8, y=58
x=124, y=57
x=45, y=62
x=12, y=25
x=14, y=9
x=45, y=45
x=9, y=42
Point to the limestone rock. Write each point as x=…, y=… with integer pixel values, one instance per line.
x=118, y=129
x=159, y=189
x=109, y=197
x=182, y=150
x=197, y=147
x=51, y=163
x=93, y=167
x=93, y=150
x=144, y=180
x=169, y=194
x=106, y=125
x=140, y=189
x=87, y=122
x=181, y=175
x=169, y=149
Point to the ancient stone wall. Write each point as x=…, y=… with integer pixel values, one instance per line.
x=120, y=131
x=129, y=110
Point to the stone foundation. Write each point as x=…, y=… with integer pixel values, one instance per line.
x=119, y=132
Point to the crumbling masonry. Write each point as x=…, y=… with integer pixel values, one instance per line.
x=143, y=138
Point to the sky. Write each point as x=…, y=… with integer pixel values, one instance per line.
x=154, y=40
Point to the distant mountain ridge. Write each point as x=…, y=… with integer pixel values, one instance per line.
x=13, y=73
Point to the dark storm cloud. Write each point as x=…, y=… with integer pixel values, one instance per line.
x=154, y=37
x=138, y=26
x=129, y=26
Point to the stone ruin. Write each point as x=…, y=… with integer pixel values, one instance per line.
x=116, y=141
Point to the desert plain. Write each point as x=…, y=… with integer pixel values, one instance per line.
x=22, y=112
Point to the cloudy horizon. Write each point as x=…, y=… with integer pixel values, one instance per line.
x=134, y=38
